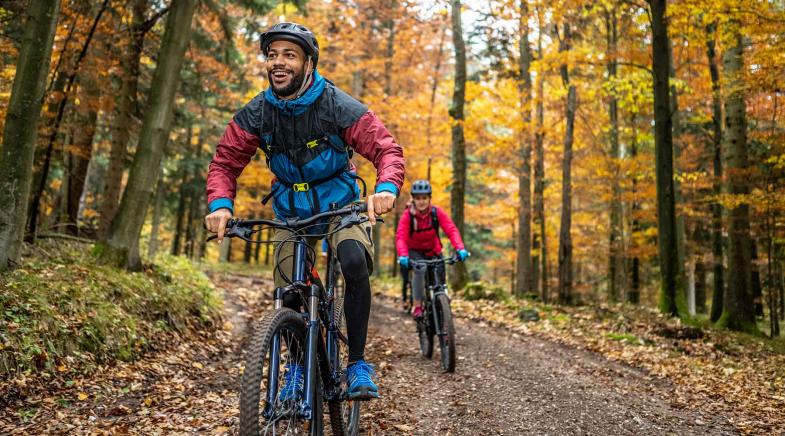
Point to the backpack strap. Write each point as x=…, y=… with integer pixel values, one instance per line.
x=435, y=221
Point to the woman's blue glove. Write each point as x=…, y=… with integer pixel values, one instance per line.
x=462, y=254
x=404, y=261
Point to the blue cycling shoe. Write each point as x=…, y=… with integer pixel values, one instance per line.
x=294, y=381
x=361, y=386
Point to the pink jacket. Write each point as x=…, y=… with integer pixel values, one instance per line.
x=425, y=240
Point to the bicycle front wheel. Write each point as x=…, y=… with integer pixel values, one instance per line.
x=425, y=335
x=278, y=341
x=447, y=336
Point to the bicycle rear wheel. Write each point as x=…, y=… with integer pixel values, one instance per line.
x=344, y=414
x=447, y=337
x=280, y=334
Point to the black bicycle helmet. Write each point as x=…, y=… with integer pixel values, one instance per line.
x=293, y=32
x=421, y=187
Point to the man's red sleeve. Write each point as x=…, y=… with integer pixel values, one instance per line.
x=235, y=150
x=373, y=141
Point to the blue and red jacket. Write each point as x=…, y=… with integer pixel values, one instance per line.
x=308, y=143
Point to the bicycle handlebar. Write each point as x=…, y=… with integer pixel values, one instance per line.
x=449, y=261
x=241, y=228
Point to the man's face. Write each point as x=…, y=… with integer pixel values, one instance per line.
x=421, y=202
x=285, y=67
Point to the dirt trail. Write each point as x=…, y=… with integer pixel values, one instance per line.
x=508, y=384
x=504, y=384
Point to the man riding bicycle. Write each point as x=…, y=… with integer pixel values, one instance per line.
x=308, y=129
x=417, y=238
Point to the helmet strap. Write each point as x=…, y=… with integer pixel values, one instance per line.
x=308, y=69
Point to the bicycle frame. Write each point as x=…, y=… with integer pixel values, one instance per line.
x=316, y=352
x=434, y=287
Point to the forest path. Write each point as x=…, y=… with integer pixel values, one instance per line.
x=504, y=384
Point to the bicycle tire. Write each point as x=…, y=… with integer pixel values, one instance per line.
x=274, y=323
x=425, y=335
x=344, y=415
x=447, y=338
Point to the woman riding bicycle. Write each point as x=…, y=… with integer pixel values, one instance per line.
x=417, y=238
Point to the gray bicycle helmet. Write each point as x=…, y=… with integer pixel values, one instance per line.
x=421, y=187
x=292, y=32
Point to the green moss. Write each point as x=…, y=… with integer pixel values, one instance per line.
x=484, y=291
x=68, y=305
x=727, y=321
x=624, y=337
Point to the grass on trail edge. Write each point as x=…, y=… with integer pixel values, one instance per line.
x=63, y=313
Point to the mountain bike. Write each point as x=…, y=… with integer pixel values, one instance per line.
x=315, y=337
x=437, y=315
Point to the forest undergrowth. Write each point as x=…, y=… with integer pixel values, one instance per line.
x=63, y=315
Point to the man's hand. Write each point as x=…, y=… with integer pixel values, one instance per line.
x=216, y=222
x=379, y=204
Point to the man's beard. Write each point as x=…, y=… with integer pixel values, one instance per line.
x=293, y=86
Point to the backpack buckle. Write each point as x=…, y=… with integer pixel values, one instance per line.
x=301, y=187
x=312, y=144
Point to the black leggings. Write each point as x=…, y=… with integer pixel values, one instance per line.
x=356, y=267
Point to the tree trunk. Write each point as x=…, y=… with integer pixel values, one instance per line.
x=247, y=252
x=460, y=277
x=718, y=292
x=123, y=118
x=43, y=176
x=524, y=242
x=681, y=231
x=634, y=290
x=701, y=237
x=196, y=200
x=268, y=247
x=663, y=144
x=257, y=248
x=394, y=250
x=539, y=179
x=122, y=244
x=700, y=286
x=81, y=152
x=738, y=310
x=158, y=207
x=389, y=62
x=616, y=265
x=19, y=133
x=757, y=286
x=565, y=238
x=183, y=194
x=225, y=250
